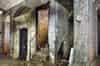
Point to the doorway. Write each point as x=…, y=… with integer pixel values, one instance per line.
x=42, y=26
x=98, y=45
x=23, y=43
x=98, y=35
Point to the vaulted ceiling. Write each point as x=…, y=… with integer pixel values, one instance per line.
x=7, y=4
x=67, y=4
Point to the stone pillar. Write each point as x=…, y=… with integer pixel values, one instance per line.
x=85, y=32
x=51, y=31
x=92, y=33
x=6, y=42
x=76, y=31
x=12, y=28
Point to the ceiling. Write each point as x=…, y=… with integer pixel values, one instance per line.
x=7, y=4
x=67, y=4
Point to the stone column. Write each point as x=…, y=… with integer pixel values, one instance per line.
x=76, y=31
x=6, y=42
x=92, y=33
x=85, y=32
x=51, y=31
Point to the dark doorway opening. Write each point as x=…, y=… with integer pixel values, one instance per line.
x=98, y=47
x=23, y=43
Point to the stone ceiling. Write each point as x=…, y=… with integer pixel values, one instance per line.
x=7, y=4
x=67, y=4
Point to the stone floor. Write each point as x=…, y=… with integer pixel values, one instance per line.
x=9, y=62
x=34, y=62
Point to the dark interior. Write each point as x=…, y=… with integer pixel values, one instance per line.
x=98, y=33
x=23, y=43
